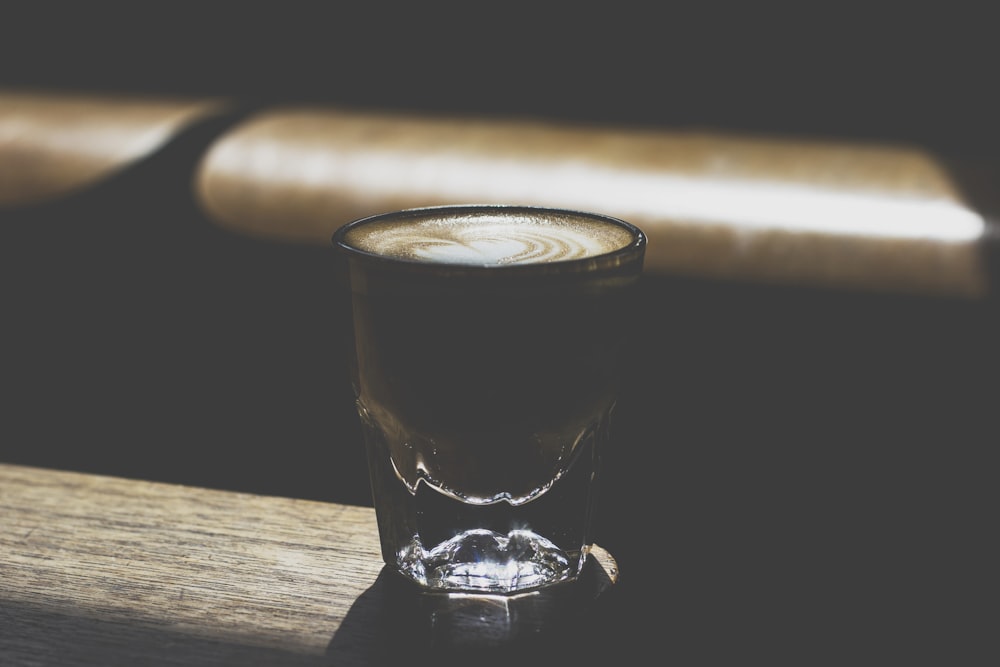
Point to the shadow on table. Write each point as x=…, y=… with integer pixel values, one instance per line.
x=393, y=620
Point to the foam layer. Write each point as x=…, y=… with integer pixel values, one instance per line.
x=488, y=238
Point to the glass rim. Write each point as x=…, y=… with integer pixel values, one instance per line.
x=609, y=260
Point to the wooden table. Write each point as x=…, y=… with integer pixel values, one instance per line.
x=98, y=570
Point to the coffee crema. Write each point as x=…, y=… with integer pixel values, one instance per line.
x=487, y=238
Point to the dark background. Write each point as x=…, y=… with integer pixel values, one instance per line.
x=811, y=465
x=910, y=72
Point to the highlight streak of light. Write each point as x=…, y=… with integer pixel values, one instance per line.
x=747, y=204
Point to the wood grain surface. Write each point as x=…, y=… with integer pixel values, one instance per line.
x=99, y=570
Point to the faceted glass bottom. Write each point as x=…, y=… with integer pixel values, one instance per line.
x=482, y=560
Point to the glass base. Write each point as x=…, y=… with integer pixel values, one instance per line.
x=448, y=541
x=552, y=625
x=482, y=560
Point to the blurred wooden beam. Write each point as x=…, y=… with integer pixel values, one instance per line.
x=56, y=143
x=770, y=209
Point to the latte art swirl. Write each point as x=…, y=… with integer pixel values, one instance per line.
x=504, y=245
x=490, y=240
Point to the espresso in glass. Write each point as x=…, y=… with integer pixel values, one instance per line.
x=488, y=344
